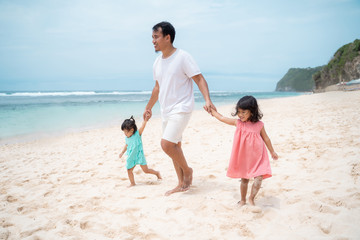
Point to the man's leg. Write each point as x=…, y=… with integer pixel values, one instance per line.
x=183, y=171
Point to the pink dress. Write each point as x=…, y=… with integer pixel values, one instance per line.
x=249, y=157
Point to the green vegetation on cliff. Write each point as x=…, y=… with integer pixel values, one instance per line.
x=298, y=80
x=344, y=66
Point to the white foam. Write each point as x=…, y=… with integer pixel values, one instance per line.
x=75, y=93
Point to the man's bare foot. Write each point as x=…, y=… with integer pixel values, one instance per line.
x=158, y=176
x=131, y=185
x=191, y=176
x=251, y=202
x=177, y=189
x=241, y=203
x=187, y=181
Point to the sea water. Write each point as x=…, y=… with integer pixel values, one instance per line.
x=42, y=113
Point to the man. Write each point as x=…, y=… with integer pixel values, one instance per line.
x=174, y=70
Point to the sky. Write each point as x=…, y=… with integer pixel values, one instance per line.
x=239, y=45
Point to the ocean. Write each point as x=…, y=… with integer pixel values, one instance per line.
x=26, y=114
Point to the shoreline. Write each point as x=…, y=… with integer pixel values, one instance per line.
x=339, y=87
x=36, y=136
x=313, y=194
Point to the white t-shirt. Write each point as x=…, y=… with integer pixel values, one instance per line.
x=174, y=75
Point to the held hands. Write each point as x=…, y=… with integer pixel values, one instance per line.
x=147, y=114
x=214, y=113
x=209, y=107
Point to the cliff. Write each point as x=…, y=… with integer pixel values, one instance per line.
x=298, y=80
x=344, y=66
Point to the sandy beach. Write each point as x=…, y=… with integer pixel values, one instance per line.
x=75, y=186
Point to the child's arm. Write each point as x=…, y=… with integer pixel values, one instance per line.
x=223, y=119
x=146, y=119
x=268, y=144
x=123, y=151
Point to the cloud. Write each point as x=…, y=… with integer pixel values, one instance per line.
x=45, y=41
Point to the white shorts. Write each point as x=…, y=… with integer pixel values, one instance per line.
x=174, y=126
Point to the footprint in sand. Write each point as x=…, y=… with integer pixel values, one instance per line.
x=325, y=226
x=323, y=208
x=4, y=223
x=318, y=192
x=294, y=200
x=243, y=230
x=92, y=224
x=20, y=209
x=30, y=232
x=334, y=202
x=255, y=209
x=72, y=223
x=132, y=229
x=47, y=193
x=170, y=210
x=4, y=233
x=355, y=171
x=153, y=182
x=85, y=225
x=11, y=199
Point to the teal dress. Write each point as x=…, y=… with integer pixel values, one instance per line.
x=134, y=151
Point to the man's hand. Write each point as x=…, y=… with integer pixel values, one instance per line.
x=147, y=114
x=208, y=106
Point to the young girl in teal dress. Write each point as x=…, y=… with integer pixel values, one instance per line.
x=134, y=148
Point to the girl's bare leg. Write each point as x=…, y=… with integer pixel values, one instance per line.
x=131, y=177
x=243, y=191
x=255, y=189
x=150, y=171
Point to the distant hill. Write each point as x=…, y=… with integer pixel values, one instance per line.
x=344, y=66
x=298, y=80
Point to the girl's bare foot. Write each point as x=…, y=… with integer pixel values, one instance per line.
x=177, y=189
x=241, y=203
x=251, y=202
x=158, y=176
x=131, y=185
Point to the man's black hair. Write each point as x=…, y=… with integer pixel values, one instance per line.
x=167, y=29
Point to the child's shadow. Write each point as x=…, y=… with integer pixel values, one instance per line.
x=268, y=202
x=206, y=187
x=150, y=182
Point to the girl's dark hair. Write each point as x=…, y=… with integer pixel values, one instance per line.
x=129, y=124
x=249, y=103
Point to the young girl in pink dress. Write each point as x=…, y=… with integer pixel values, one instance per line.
x=249, y=157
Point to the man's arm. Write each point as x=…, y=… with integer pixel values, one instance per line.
x=204, y=89
x=154, y=97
